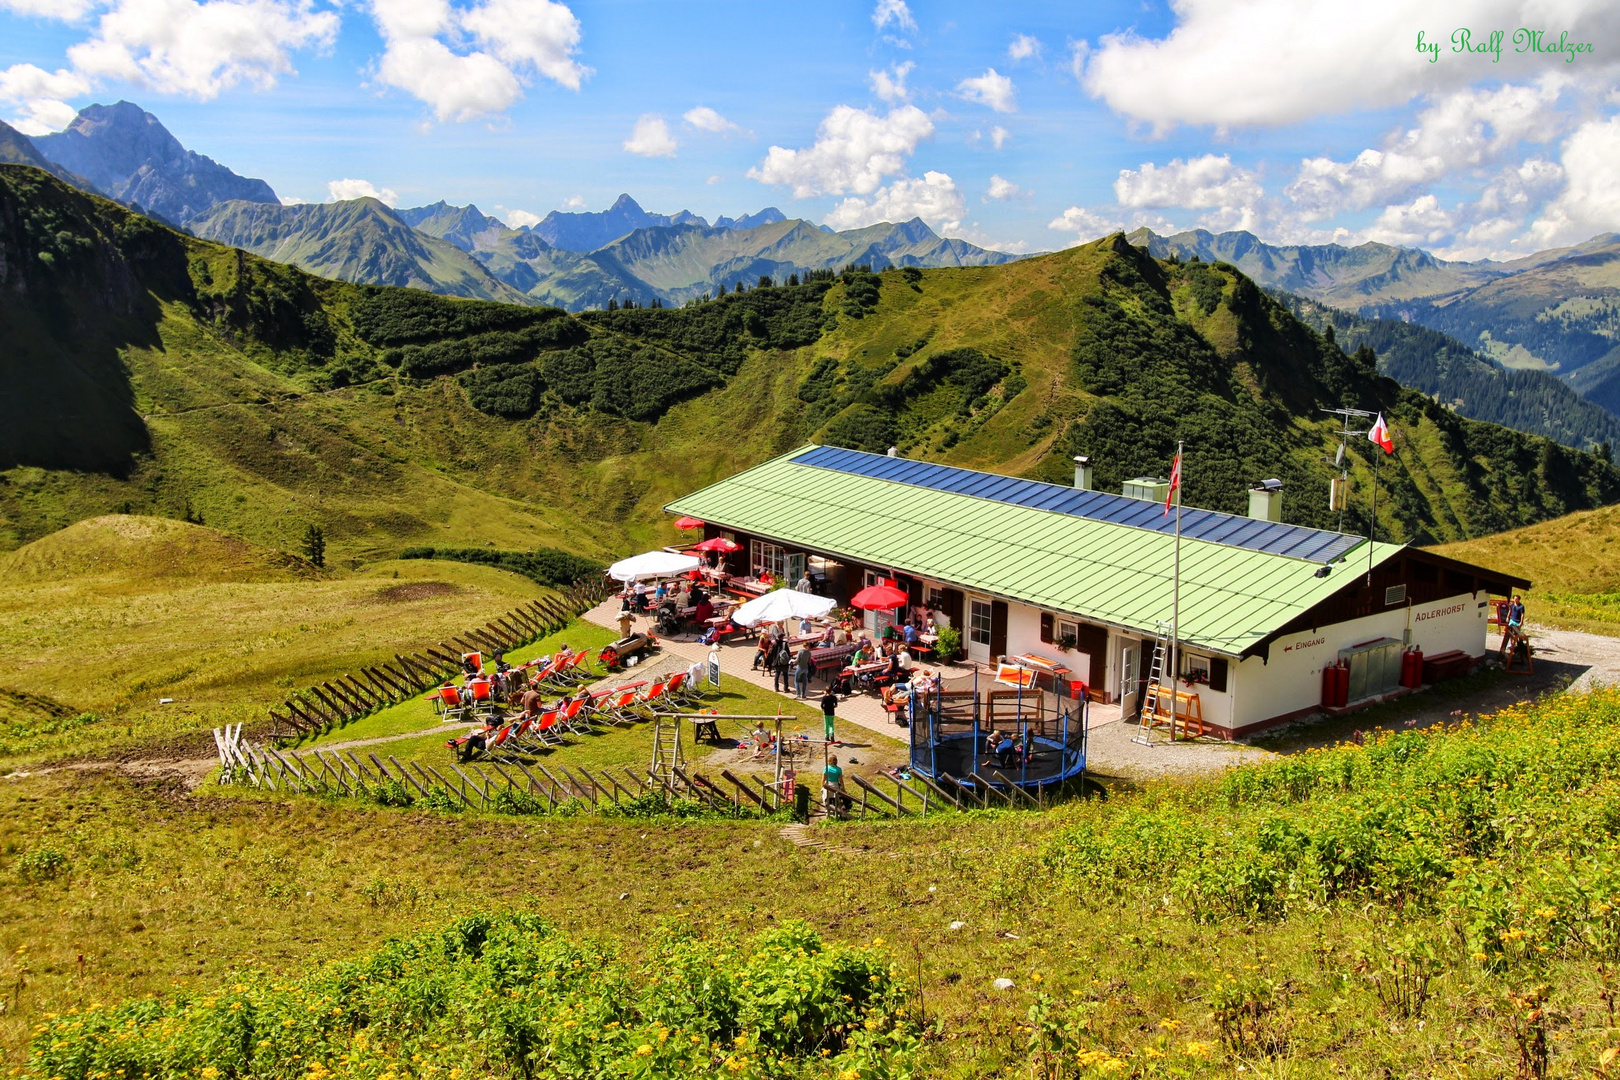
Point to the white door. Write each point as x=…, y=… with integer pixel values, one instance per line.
x=1130, y=659
x=978, y=630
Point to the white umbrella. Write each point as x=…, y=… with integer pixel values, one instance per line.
x=780, y=605
x=653, y=564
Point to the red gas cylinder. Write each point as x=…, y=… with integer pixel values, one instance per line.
x=1341, y=689
x=1329, y=685
x=1417, y=668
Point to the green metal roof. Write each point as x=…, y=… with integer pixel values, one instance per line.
x=1104, y=572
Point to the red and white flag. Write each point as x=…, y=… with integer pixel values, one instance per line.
x=1380, y=435
x=1175, y=483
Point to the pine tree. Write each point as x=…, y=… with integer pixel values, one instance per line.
x=315, y=545
x=613, y=305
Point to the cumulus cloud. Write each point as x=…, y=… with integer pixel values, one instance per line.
x=291, y=200
x=934, y=198
x=518, y=39
x=1231, y=63
x=651, y=137
x=998, y=136
x=1002, y=190
x=1195, y=183
x=714, y=179
x=200, y=48
x=520, y=219
x=574, y=202
x=40, y=95
x=854, y=151
x=1590, y=201
x=706, y=119
x=992, y=89
x=1023, y=47
x=1085, y=224
x=1457, y=130
x=341, y=190
x=1423, y=221
x=893, y=11
x=890, y=85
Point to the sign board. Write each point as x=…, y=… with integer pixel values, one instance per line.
x=714, y=668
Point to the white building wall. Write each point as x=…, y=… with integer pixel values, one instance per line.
x=1291, y=681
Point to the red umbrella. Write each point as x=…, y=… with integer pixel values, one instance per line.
x=879, y=597
x=688, y=523
x=718, y=543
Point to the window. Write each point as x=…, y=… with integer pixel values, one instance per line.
x=768, y=557
x=1218, y=668
x=1068, y=631
x=979, y=622
x=1196, y=668
x=934, y=598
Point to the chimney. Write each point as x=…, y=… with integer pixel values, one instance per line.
x=1147, y=488
x=1265, y=500
x=894, y=451
x=1082, y=473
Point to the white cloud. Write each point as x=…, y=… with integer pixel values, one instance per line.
x=519, y=38
x=521, y=219
x=1085, y=224
x=890, y=85
x=1023, y=47
x=341, y=190
x=291, y=200
x=1423, y=221
x=715, y=179
x=893, y=11
x=990, y=89
x=1079, y=53
x=651, y=137
x=66, y=10
x=1590, y=201
x=1462, y=129
x=200, y=48
x=706, y=119
x=1001, y=189
x=40, y=93
x=934, y=198
x=998, y=136
x=1231, y=63
x=854, y=151
x=1198, y=183
x=574, y=202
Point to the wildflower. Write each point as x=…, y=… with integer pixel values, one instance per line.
x=1197, y=1049
x=1169, y=1024
x=741, y=1041
x=643, y=1050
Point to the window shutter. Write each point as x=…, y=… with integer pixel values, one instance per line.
x=1046, y=627
x=1217, y=674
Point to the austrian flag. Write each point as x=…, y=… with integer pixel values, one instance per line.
x=1380, y=435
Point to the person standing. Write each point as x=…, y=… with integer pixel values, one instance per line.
x=832, y=787
x=802, y=671
x=829, y=707
x=782, y=668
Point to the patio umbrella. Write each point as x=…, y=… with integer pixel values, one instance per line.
x=652, y=564
x=718, y=543
x=688, y=523
x=781, y=605
x=879, y=597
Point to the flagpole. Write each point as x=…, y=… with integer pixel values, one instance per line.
x=1175, y=595
x=1372, y=527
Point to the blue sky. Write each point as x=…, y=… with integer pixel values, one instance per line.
x=1025, y=127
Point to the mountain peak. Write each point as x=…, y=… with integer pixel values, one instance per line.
x=127, y=153
x=623, y=204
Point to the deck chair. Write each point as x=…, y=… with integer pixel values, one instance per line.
x=483, y=699
x=645, y=704
x=670, y=700
x=477, y=660
x=574, y=717
x=691, y=691
x=447, y=700
x=616, y=706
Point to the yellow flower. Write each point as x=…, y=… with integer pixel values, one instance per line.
x=741, y=1040
x=1480, y=957
x=850, y=1074
x=209, y=1073
x=1169, y=1024
x=643, y=1050
x=1197, y=1049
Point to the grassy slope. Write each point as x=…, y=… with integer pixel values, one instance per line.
x=166, y=892
x=111, y=615
x=1574, y=562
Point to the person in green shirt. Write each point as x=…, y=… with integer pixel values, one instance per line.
x=832, y=786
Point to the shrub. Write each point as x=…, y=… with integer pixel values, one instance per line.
x=40, y=865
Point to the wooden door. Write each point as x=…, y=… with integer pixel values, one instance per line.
x=998, y=630
x=952, y=611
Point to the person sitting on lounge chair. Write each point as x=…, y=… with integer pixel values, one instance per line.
x=531, y=703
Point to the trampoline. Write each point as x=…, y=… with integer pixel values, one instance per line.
x=957, y=726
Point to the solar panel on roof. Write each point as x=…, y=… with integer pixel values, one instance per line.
x=1297, y=541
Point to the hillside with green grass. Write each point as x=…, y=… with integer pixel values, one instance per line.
x=1574, y=562
x=185, y=379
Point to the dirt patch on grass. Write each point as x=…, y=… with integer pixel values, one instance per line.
x=416, y=590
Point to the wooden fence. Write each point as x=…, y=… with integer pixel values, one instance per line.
x=338, y=701
x=385, y=779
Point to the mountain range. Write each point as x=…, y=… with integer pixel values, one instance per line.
x=1556, y=311
x=151, y=371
